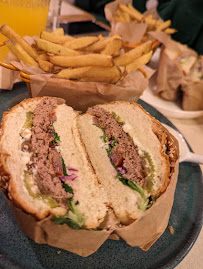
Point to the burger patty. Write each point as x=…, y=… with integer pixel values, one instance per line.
x=124, y=154
x=45, y=159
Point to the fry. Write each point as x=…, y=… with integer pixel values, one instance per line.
x=170, y=31
x=20, y=53
x=150, y=21
x=58, y=31
x=135, y=14
x=54, y=38
x=81, y=42
x=10, y=34
x=155, y=44
x=56, y=69
x=92, y=73
x=164, y=25
x=101, y=37
x=119, y=18
x=143, y=72
x=82, y=60
x=126, y=17
x=128, y=45
x=42, y=56
x=138, y=62
x=113, y=47
x=55, y=48
x=45, y=65
x=133, y=54
x=101, y=44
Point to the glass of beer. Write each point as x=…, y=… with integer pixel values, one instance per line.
x=25, y=17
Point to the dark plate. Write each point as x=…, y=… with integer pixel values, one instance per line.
x=18, y=251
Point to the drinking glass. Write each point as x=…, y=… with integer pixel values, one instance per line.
x=54, y=15
x=25, y=17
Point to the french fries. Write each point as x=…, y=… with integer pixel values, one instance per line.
x=55, y=48
x=45, y=65
x=87, y=59
x=138, y=62
x=135, y=53
x=55, y=37
x=82, y=60
x=101, y=44
x=163, y=25
x=20, y=53
x=113, y=47
x=13, y=36
x=127, y=13
x=90, y=73
x=58, y=31
x=132, y=12
x=81, y=42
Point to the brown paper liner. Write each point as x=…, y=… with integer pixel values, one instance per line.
x=192, y=95
x=171, y=80
x=80, y=242
x=81, y=95
x=146, y=230
x=142, y=233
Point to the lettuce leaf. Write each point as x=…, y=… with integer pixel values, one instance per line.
x=131, y=184
x=73, y=219
x=56, y=139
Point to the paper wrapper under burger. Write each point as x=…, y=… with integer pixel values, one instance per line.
x=142, y=233
x=171, y=80
x=145, y=231
x=169, y=77
x=80, y=242
x=81, y=95
x=192, y=95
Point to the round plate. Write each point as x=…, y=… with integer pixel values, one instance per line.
x=168, y=108
x=18, y=251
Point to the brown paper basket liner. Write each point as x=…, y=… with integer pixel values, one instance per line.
x=81, y=95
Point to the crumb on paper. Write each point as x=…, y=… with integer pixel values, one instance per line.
x=59, y=251
x=171, y=230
